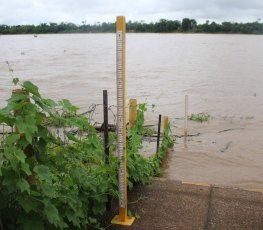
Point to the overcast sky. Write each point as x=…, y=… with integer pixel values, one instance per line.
x=13, y=12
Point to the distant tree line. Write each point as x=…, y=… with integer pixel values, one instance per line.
x=162, y=26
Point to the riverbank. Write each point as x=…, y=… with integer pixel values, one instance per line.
x=162, y=26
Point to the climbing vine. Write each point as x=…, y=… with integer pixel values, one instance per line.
x=47, y=184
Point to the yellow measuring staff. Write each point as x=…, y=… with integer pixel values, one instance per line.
x=122, y=218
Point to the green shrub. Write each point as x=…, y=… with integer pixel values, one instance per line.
x=45, y=184
x=200, y=117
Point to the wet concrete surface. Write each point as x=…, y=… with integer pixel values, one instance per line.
x=168, y=204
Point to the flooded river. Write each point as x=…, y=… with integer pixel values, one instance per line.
x=222, y=74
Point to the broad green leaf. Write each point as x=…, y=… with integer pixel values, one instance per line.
x=42, y=103
x=98, y=208
x=23, y=185
x=42, y=131
x=25, y=168
x=28, y=203
x=10, y=180
x=6, y=111
x=43, y=172
x=12, y=138
x=72, y=217
x=51, y=213
x=14, y=156
x=39, y=117
x=19, y=154
x=13, y=162
x=27, y=126
x=79, y=121
x=67, y=105
x=92, y=220
x=23, y=143
x=17, y=102
x=71, y=137
x=48, y=190
x=50, y=104
x=15, y=80
x=17, y=98
x=30, y=87
x=6, y=117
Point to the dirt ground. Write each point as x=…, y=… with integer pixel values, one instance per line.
x=169, y=204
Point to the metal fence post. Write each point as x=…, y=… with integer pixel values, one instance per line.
x=159, y=132
x=106, y=136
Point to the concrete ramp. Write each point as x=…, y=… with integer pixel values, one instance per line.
x=168, y=204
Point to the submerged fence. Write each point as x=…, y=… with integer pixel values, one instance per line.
x=94, y=115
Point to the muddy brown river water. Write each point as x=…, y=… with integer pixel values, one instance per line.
x=222, y=74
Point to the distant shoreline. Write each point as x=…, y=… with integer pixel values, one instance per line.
x=186, y=25
x=167, y=33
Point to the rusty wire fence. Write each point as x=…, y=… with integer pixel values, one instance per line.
x=94, y=114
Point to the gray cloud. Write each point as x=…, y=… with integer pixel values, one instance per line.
x=37, y=11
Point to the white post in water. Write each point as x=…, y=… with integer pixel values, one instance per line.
x=186, y=117
x=122, y=218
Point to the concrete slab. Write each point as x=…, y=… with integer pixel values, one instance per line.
x=168, y=204
x=235, y=209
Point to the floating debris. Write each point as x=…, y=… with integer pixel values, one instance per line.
x=226, y=147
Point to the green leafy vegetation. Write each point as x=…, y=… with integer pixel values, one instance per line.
x=47, y=184
x=149, y=131
x=200, y=117
x=247, y=118
x=162, y=26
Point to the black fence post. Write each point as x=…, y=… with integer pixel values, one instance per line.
x=106, y=125
x=159, y=132
x=106, y=136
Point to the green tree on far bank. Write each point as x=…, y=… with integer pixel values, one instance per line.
x=162, y=26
